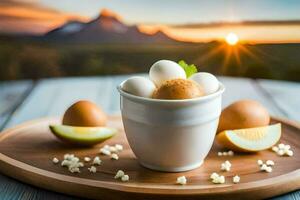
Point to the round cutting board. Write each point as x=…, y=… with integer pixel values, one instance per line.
x=26, y=153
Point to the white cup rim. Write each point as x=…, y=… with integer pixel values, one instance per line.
x=171, y=101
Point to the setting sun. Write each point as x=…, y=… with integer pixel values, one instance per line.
x=232, y=39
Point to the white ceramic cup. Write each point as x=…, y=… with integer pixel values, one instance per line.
x=170, y=135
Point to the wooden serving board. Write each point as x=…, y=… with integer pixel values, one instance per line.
x=26, y=153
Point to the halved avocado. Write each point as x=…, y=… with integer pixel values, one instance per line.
x=82, y=135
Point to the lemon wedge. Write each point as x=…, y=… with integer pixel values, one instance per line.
x=82, y=135
x=250, y=139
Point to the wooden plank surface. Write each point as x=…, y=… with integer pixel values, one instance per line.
x=286, y=96
x=51, y=96
x=11, y=94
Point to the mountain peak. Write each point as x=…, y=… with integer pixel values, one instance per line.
x=107, y=28
x=107, y=13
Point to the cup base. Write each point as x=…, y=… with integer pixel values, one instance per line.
x=172, y=169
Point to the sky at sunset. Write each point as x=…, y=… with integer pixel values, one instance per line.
x=189, y=20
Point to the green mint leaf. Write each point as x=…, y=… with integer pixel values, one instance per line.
x=189, y=69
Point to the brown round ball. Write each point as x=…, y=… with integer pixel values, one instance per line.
x=243, y=114
x=84, y=113
x=178, y=89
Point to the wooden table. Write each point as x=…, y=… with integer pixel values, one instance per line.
x=25, y=100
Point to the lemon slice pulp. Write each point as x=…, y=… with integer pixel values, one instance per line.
x=82, y=135
x=251, y=139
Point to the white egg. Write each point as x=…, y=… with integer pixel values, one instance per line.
x=139, y=86
x=208, y=81
x=164, y=70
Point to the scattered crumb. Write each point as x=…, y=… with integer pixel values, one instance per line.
x=217, y=179
x=87, y=159
x=72, y=162
x=125, y=178
x=214, y=175
x=119, y=174
x=266, y=168
x=283, y=150
x=108, y=150
x=181, y=180
x=270, y=162
x=260, y=162
x=114, y=156
x=113, y=149
x=269, y=169
x=119, y=147
x=236, y=179
x=105, y=151
x=97, y=160
x=55, y=160
x=92, y=169
x=226, y=166
x=226, y=153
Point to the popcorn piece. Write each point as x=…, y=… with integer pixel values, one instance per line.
x=236, y=179
x=72, y=162
x=125, y=178
x=283, y=150
x=181, y=180
x=260, y=162
x=266, y=168
x=226, y=166
x=87, y=159
x=216, y=180
x=220, y=153
x=269, y=169
x=119, y=147
x=214, y=175
x=281, y=146
x=114, y=156
x=219, y=180
x=97, y=161
x=105, y=151
x=55, y=160
x=92, y=169
x=113, y=149
x=225, y=153
x=119, y=174
x=270, y=162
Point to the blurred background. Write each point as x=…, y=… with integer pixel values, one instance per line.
x=46, y=38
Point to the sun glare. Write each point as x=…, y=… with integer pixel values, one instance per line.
x=232, y=39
